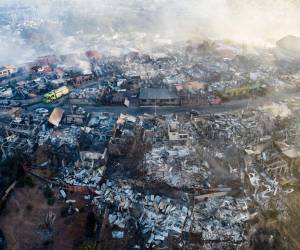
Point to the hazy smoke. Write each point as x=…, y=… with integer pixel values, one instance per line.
x=34, y=27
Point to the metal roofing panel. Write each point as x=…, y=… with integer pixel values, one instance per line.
x=158, y=93
x=56, y=116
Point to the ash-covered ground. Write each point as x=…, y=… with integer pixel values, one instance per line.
x=149, y=125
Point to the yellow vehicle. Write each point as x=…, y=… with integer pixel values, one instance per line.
x=56, y=94
x=247, y=90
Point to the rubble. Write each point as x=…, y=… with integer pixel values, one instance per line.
x=159, y=217
x=195, y=175
x=178, y=166
x=86, y=171
x=221, y=219
x=129, y=137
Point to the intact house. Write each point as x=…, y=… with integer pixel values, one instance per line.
x=158, y=96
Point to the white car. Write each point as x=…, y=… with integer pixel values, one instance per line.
x=42, y=111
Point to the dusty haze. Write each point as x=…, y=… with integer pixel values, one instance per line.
x=35, y=27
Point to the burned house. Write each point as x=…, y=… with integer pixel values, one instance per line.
x=158, y=96
x=77, y=79
x=95, y=157
x=18, y=133
x=7, y=112
x=78, y=119
x=129, y=137
x=175, y=134
x=123, y=135
x=7, y=71
x=118, y=97
x=192, y=93
x=43, y=64
x=47, y=60
x=88, y=170
x=93, y=54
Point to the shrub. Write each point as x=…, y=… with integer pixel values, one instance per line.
x=28, y=181
x=48, y=193
x=51, y=200
x=64, y=212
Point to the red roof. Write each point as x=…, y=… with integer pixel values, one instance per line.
x=92, y=54
x=194, y=85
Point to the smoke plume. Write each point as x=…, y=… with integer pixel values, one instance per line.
x=37, y=27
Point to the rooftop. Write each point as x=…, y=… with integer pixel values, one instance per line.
x=158, y=93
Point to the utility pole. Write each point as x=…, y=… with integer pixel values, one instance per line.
x=70, y=105
x=155, y=107
x=297, y=133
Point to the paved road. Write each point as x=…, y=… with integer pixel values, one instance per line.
x=166, y=110
x=207, y=109
x=228, y=106
x=151, y=110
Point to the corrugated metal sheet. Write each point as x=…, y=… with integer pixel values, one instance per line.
x=56, y=116
x=158, y=93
